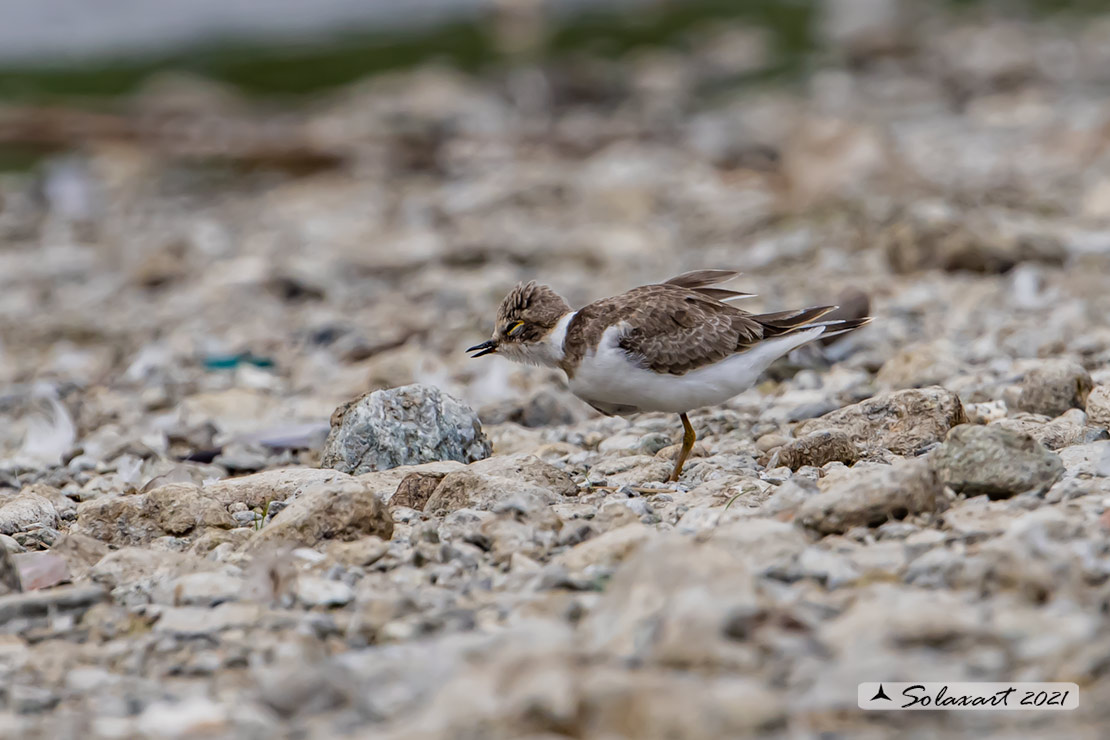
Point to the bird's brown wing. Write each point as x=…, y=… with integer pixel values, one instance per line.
x=675, y=330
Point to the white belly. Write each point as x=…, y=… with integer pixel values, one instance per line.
x=608, y=377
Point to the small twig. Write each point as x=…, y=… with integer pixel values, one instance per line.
x=637, y=489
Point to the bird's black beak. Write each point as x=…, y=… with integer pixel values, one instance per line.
x=485, y=348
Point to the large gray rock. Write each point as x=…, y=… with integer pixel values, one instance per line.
x=996, y=461
x=403, y=426
x=1055, y=386
x=901, y=421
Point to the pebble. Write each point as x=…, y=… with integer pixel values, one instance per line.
x=817, y=449
x=881, y=422
x=1085, y=461
x=72, y=600
x=183, y=719
x=872, y=496
x=653, y=442
x=320, y=592
x=1098, y=406
x=605, y=550
x=345, y=510
x=195, y=621
x=24, y=699
x=362, y=552
x=768, y=442
x=246, y=518
x=1054, y=386
x=25, y=511
x=830, y=569
x=10, y=544
x=991, y=460
x=202, y=589
x=40, y=570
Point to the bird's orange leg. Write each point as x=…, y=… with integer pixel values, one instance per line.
x=687, y=444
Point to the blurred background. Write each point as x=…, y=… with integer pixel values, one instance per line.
x=219, y=220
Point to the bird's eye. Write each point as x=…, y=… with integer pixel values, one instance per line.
x=515, y=328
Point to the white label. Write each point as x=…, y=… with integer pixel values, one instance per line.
x=933, y=695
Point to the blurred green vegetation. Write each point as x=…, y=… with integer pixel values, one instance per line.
x=293, y=68
x=308, y=66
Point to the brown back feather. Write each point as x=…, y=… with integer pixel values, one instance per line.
x=701, y=278
x=670, y=329
x=677, y=326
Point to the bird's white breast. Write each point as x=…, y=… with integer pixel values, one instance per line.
x=558, y=336
x=609, y=375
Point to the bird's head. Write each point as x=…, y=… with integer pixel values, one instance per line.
x=525, y=320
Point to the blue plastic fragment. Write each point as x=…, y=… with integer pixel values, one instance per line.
x=231, y=361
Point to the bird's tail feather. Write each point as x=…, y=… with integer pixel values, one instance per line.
x=785, y=322
x=789, y=322
x=842, y=326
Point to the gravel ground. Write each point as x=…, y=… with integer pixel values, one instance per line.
x=186, y=551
